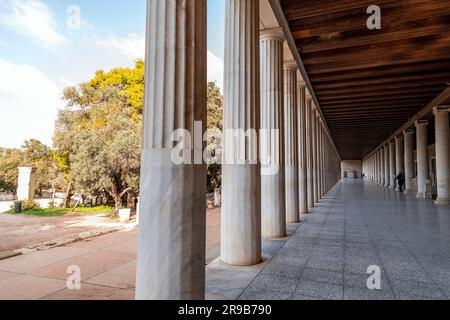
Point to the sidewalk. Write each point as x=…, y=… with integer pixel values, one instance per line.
x=107, y=264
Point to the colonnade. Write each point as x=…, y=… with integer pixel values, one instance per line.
x=399, y=158
x=261, y=192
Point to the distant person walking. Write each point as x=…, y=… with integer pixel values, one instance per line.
x=401, y=181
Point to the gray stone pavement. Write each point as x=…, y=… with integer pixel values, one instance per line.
x=358, y=225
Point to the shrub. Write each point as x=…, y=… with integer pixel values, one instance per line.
x=30, y=205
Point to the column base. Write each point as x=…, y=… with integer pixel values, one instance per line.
x=276, y=236
x=442, y=201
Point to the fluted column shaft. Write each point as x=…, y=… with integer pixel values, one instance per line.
x=442, y=155
x=400, y=156
x=321, y=159
x=376, y=167
x=310, y=144
x=392, y=165
x=409, y=159
x=422, y=158
x=273, y=208
x=291, y=140
x=171, y=242
x=241, y=207
x=315, y=158
x=382, y=166
x=303, y=166
x=386, y=166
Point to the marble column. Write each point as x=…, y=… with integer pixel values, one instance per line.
x=382, y=169
x=241, y=203
x=321, y=157
x=409, y=159
x=310, y=144
x=399, y=156
x=291, y=140
x=172, y=234
x=376, y=166
x=273, y=207
x=303, y=167
x=26, y=183
x=392, y=165
x=423, y=173
x=387, y=180
x=442, y=155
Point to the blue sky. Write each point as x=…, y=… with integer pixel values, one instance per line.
x=43, y=49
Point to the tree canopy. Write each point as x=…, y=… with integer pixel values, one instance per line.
x=97, y=139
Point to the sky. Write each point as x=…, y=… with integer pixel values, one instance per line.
x=47, y=45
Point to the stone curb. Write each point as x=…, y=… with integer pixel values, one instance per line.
x=8, y=254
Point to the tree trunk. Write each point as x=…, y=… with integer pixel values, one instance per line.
x=117, y=203
x=52, y=200
x=131, y=202
x=68, y=195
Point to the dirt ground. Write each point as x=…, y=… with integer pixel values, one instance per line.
x=19, y=231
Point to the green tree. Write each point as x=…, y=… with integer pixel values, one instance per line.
x=10, y=160
x=129, y=81
x=98, y=131
x=98, y=134
x=38, y=155
x=215, y=123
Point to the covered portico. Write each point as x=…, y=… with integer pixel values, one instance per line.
x=308, y=73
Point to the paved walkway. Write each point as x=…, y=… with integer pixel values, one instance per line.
x=325, y=257
x=360, y=225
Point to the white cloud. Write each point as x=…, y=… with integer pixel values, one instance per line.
x=215, y=69
x=28, y=104
x=31, y=18
x=131, y=46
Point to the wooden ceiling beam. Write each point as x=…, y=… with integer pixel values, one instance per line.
x=354, y=20
x=380, y=72
x=401, y=81
x=399, y=92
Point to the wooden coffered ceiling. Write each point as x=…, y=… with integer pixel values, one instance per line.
x=370, y=82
